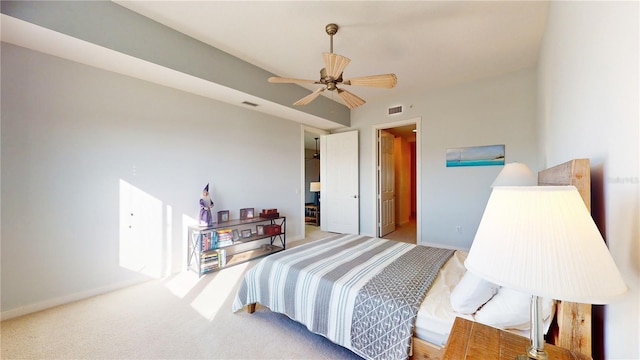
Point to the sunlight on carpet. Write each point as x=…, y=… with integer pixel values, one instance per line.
x=181, y=284
x=209, y=301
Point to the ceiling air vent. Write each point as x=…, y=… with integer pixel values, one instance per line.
x=249, y=103
x=394, y=110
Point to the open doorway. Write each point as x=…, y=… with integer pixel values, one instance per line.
x=311, y=183
x=397, y=191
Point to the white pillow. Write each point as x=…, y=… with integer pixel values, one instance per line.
x=510, y=309
x=471, y=293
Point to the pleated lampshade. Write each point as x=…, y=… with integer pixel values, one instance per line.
x=542, y=240
x=515, y=174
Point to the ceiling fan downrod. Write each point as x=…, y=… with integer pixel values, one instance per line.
x=331, y=29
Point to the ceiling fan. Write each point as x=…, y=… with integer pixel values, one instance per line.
x=316, y=155
x=331, y=76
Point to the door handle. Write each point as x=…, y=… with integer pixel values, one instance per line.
x=355, y=196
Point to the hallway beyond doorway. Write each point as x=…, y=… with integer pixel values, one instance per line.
x=404, y=233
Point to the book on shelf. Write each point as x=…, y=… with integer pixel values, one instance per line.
x=209, y=258
x=222, y=257
x=210, y=267
x=225, y=243
x=206, y=241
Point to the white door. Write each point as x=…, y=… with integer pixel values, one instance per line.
x=386, y=183
x=339, y=176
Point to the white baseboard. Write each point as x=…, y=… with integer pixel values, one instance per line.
x=444, y=246
x=49, y=303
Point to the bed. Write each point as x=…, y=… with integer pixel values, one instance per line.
x=388, y=300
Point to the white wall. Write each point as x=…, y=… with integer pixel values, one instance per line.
x=588, y=107
x=82, y=148
x=500, y=110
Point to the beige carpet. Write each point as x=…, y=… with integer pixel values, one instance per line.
x=181, y=317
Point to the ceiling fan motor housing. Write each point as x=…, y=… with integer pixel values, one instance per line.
x=328, y=80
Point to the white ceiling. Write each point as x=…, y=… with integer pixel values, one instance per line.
x=427, y=44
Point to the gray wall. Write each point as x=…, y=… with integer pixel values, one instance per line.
x=82, y=148
x=499, y=110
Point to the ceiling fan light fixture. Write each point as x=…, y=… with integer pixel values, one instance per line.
x=335, y=64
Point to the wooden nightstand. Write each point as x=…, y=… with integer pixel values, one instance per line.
x=472, y=340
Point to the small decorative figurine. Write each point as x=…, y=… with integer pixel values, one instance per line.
x=206, y=204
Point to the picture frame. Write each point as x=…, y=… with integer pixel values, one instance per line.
x=260, y=229
x=246, y=233
x=475, y=156
x=236, y=235
x=223, y=216
x=246, y=213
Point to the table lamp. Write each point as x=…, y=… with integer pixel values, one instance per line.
x=515, y=174
x=314, y=186
x=541, y=240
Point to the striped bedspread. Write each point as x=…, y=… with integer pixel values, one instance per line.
x=360, y=292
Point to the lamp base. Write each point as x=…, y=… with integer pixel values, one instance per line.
x=533, y=354
x=536, y=350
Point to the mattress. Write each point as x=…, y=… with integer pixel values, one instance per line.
x=435, y=316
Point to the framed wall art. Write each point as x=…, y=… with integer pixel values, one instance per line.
x=476, y=156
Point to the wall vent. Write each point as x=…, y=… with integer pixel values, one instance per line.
x=249, y=103
x=394, y=110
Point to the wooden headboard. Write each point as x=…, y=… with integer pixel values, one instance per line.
x=574, y=320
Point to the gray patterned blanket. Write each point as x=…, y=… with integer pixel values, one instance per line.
x=360, y=292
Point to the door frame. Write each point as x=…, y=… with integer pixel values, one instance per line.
x=375, y=130
x=304, y=129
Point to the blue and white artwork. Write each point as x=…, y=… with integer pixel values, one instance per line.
x=476, y=156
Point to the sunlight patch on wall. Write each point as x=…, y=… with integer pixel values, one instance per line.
x=212, y=297
x=141, y=231
x=168, y=231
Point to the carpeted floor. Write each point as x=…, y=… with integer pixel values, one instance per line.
x=180, y=317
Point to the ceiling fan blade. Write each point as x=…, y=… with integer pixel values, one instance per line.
x=351, y=99
x=335, y=64
x=309, y=98
x=281, y=80
x=382, y=81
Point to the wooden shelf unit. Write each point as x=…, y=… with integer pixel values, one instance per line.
x=207, y=251
x=312, y=214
